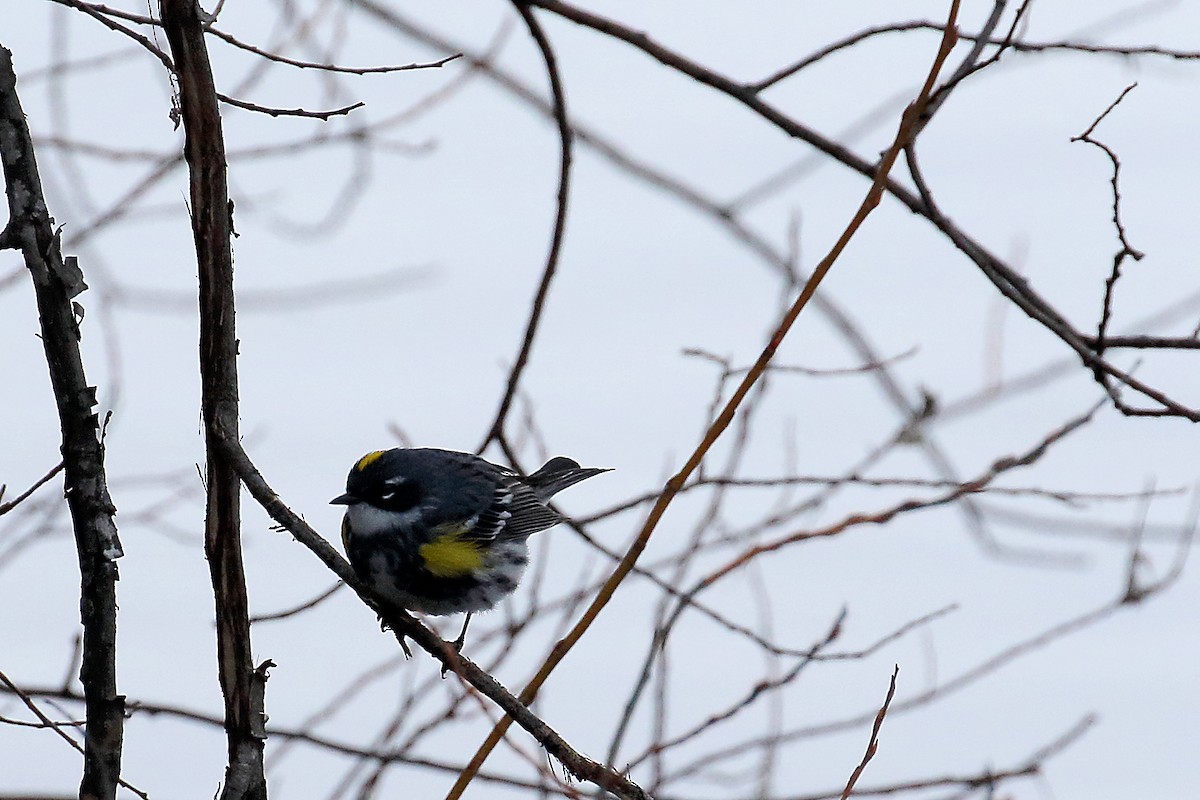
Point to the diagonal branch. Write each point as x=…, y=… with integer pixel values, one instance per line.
x=873, y=744
x=908, y=124
x=56, y=281
x=9, y=505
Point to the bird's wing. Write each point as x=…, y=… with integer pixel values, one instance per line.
x=514, y=512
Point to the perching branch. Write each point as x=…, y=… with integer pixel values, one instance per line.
x=56, y=282
x=405, y=626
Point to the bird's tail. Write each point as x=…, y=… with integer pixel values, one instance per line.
x=557, y=474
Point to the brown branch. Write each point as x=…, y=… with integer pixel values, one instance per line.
x=927, y=25
x=56, y=281
x=908, y=123
x=988, y=778
x=1125, y=251
x=297, y=609
x=999, y=467
x=1141, y=342
x=42, y=481
x=759, y=690
x=560, y=220
x=873, y=744
x=267, y=54
x=204, y=148
x=99, y=10
x=101, y=13
x=968, y=677
x=287, y=112
x=57, y=727
x=299, y=735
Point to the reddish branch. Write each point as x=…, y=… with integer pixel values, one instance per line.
x=204, y=149
x=56, y=281
x=873, y=745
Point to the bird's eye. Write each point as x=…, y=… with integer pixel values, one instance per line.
x=400, y=495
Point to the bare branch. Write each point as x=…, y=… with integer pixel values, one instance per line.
x=288, y=112
x=242, y=684
x=42, y=481
x=231, y=39
x=560, y=219
x=56, y=281
x=1125, y=251
x=298, y=609
x=57, y=727
x=873, y=744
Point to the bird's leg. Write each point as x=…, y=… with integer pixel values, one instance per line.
x=400, y=637
x=457, y=644
x=462, y=636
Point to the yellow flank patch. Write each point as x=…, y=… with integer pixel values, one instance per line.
x=346, y=534
x=450, y=555
x=367, y=460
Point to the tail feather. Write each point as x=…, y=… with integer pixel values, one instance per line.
x=557, y=474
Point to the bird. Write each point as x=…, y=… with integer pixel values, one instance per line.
x=444, y=532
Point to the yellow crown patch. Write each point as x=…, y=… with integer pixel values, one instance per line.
x=367, y=460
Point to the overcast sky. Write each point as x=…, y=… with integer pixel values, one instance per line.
x=385, y=290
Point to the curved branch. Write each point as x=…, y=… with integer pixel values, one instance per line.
x=560, y=220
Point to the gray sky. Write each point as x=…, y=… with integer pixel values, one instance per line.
x=447, y=231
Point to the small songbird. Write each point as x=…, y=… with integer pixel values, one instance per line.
x=443, y=532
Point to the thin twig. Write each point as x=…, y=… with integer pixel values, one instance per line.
x=16, y=501
x=873, y=744
x=282, y=59
x=560, y=219
x=1126, y=250
x=57, y=728
x=294, y=610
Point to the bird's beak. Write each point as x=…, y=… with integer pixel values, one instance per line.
x=344, y=500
